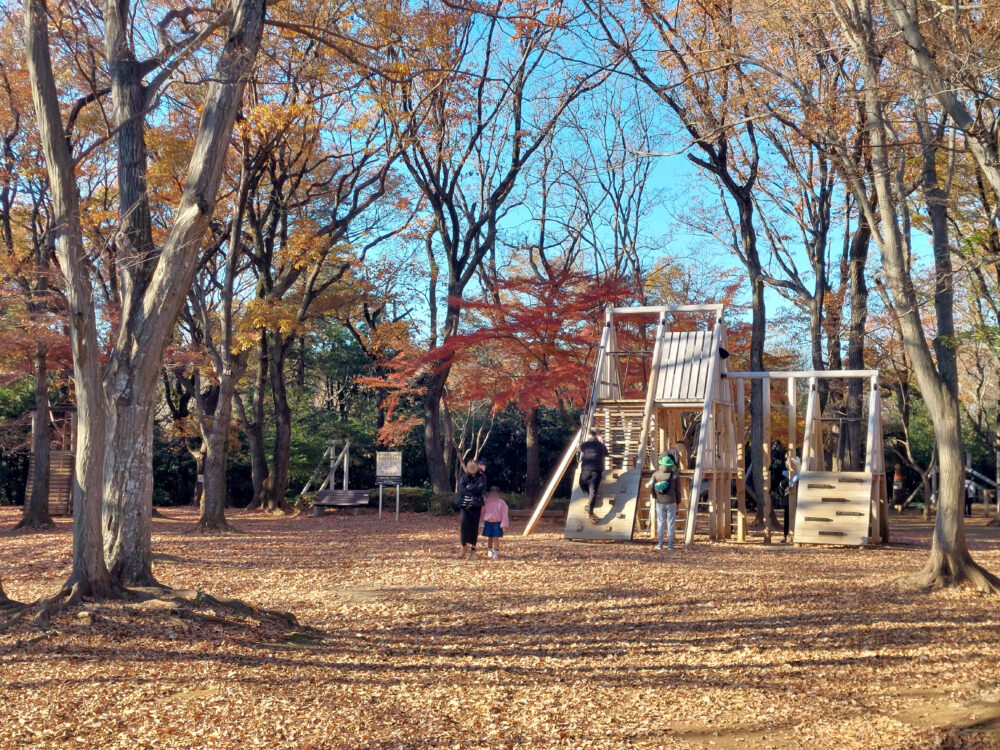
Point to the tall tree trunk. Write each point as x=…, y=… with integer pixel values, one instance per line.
x=89, y=575
x=533, y=478
x=816, y=334
x=136, y=358
x=213, y=503
x=273, y=496
x=128, y=462
x=199, y=467
x=765, y=514
x=36, y=508
x=949, y=561
x=151, y=299
x=437, y=467
x=254, y=426
x=258, y=461
x=858, y=258
x=128, y=487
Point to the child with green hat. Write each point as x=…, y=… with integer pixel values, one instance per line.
x=665, y=488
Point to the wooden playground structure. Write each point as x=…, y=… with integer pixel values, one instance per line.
x=672, y=392
x=328, y=496
x=62, y=457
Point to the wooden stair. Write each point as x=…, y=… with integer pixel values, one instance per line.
x=61, y=463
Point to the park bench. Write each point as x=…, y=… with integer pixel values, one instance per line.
x=340, y=499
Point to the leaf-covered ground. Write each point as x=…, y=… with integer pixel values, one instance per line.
x=560, y=645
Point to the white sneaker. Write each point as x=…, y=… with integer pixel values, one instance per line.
x=659, y=547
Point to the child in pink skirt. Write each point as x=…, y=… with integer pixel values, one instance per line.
x=495, y=522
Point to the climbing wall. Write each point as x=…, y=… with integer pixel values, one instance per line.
x=833, y=508
x=614, y=516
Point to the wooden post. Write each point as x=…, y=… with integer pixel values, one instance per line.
x=708, y=461
x=652, y=384
x=808, y=433
x=766, y=468
x=741, y=478
x=703, y=431
x=347, y=461
x=729, y=456
x=662, y=443
x=790, y=454
x=550, y=488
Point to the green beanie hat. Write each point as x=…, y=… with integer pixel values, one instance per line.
x=666, y=461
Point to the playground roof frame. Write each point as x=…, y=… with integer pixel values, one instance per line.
x=657, y=310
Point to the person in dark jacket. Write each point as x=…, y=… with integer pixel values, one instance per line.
x=469, y=499
x=665, y=488
x=592, y=458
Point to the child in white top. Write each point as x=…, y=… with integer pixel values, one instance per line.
x=495, y=522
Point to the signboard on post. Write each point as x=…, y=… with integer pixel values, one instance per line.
x=388, y=471
x=389, y=467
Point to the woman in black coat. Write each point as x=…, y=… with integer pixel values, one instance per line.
x=471, y=489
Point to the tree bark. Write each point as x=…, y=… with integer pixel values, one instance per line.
x=128, y=488
x=89, y=575
x=199, y=467
x=765, y=513
x=216, y=442
x=981, y=142
x=258, y=461
x=253, y=427
x=533, y=478
x=437, y=467
x=36, y=508
x=857, y=259
x=128, y=476
x=213, y=502
x=8, y=605
x=273, y=495
x=950, y=561
x=132, y=371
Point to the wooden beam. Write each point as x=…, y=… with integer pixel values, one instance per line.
x=790, y=453
x=599, y=367
x=651, y=385
x=741, y=462
x=766, y=468
x=550, y=488
x=664, y=309
x=808, y=433
x=874, y=462
x=829, y=374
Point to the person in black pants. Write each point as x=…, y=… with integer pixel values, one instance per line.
x=471, y=488
x=592, y=457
